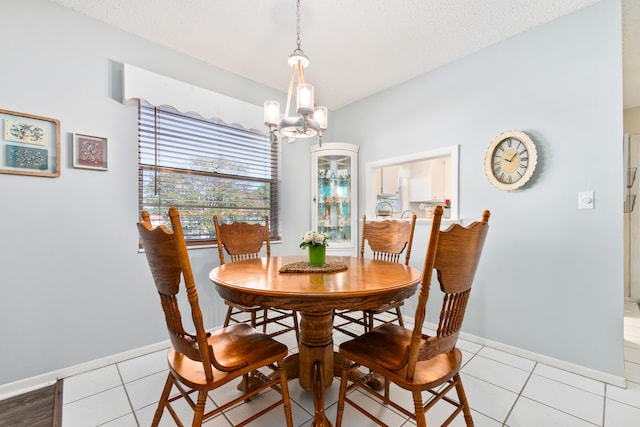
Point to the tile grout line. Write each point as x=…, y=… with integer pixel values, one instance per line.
x=558, y=409
x=504, y=423
x=536, y=401
x=126, y=392
x=604, y=405
x=90, y=395
x=473, y=356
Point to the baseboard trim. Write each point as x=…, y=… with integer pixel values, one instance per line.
x=39, y=381
x=547, y=360
x=33, y=383
x=551, y=361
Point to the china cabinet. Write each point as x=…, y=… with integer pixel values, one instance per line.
x=334, y=195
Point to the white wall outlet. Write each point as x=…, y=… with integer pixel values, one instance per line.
x=586, y=200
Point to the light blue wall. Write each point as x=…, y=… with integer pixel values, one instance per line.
x=74, y=288
x=551, y=276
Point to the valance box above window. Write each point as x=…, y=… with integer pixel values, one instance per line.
x=158, y=90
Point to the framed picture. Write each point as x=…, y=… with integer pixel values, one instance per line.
x=29, y=145
x=90, y=152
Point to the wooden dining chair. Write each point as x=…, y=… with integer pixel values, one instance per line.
x=410, y=359
x=201, y=362
x=387, y=240
x=241, y=240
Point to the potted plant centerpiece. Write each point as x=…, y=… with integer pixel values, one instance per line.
x=317, y=244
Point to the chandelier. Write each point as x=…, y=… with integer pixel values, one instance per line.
x=309, y=120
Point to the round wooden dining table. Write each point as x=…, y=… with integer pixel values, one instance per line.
x=364, y=284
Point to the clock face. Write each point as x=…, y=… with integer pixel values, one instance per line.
x=510, y=160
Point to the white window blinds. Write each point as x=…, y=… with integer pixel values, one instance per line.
x=204, y=168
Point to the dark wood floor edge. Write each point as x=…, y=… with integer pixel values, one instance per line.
x=57, y=405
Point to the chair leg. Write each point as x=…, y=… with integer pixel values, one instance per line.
x=462, y=396
x=265, y=319
x=387, y=386
x=284, y=390
x=295, y=325
x=164, y=397
x=343, y=391
x=199, y=409
x=367, y=317
x=227, y=318
x=245, y=385
x=400, y=319
x=253, y=318
x=421, y=421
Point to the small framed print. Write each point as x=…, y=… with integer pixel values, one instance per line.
x=29, y=145
x=90, y=152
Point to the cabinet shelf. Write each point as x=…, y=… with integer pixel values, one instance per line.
x=331, y=199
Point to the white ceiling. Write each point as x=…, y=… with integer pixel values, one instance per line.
x=356, y=47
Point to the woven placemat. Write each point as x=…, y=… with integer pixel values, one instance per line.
x=304, y=267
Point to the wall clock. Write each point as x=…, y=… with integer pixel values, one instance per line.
x=510, y=160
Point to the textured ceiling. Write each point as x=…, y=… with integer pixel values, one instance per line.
x=356, y=47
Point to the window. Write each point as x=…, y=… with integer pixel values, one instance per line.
x=204, y=168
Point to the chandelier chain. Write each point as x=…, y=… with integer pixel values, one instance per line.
x=298, y=51
x=309, y=120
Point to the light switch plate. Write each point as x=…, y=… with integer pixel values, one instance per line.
x=586, y=200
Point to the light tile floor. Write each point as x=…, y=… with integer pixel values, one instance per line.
x=503, y=390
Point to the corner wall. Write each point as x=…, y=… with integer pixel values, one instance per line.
x=550, y=280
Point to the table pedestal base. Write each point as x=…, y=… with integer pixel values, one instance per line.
x=316, y=348
x=316, y=353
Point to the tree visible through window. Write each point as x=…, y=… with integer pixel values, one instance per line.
x=204, y=168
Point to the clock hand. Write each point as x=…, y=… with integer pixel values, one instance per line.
x=509, y=160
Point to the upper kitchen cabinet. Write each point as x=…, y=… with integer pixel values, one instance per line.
x=429, y=180
x=387, y=180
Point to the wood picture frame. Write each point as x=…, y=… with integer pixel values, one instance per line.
x=29, y=144
x=90, y=152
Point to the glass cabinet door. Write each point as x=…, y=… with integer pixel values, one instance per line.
x=334, y=195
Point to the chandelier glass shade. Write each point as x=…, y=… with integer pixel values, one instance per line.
x=309, y=120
